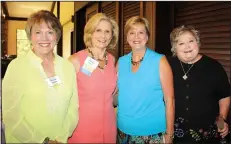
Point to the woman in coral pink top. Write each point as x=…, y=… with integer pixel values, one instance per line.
x=96, y=81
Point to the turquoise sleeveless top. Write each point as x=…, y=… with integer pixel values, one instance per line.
x=141, y=108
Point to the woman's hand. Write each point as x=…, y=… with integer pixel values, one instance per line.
x=53, y=142
x=168, y=139
x=222, y=126
x=224, y=132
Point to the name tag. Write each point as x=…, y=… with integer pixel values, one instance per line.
x=89, y=66
x=52, y=81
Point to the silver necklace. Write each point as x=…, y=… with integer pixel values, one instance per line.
x=185, y=73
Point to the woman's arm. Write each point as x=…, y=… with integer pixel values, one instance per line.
x=75, y=61
x=115, y=97
x=115, y=93
x=166, y=79
x=224, y=105
x=223, y=94
x=16, y=124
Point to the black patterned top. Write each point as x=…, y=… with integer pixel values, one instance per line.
x=197, y=98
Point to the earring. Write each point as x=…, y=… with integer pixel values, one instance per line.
x=174, y=53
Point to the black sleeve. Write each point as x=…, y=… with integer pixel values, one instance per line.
x=170, y=60
x=222, y=82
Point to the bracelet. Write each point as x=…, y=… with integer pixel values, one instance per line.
x=221, y=117
x=46, y=140
x=170, y=135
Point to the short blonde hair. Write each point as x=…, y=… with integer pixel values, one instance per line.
x=91, y=25
x=178, y=32
x=136, y=20
x=44, y=16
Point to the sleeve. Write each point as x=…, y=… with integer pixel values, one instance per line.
x=17, y=127
x=222, y=83
x=72, y=117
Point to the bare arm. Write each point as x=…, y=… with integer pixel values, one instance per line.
x=223, y=89
x=115, y=93
x=224, y=105
x=166, y=78
x=75, y=61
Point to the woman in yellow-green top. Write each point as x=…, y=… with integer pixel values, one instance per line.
x=39, y=96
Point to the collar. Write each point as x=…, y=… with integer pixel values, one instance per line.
x=34, y=58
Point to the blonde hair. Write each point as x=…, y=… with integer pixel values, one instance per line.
x=91, y=25
x=136, y=20
x=178, y=32
x=44, y=16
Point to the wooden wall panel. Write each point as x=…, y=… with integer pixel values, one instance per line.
x=150, y=15
x=129, y=9
x=91, y=10
x=4, y=36
x=111, y=10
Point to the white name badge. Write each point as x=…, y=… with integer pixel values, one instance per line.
x=89, y=66
x=52, y=81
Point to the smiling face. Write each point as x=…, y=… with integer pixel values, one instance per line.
x=102, y=35
x=43, y=39
x=186, y=47
x=137, y=37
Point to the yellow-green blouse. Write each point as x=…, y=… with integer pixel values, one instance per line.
x=33, y=110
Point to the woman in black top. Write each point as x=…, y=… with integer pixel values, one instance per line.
x=202, y=90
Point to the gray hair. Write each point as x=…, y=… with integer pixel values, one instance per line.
x=179, y=31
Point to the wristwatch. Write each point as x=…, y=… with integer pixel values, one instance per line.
x=46, y=140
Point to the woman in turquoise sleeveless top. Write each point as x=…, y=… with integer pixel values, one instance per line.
x=145, y=98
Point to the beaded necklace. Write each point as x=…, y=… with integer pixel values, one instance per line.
x=135, y=63
x=104, y=58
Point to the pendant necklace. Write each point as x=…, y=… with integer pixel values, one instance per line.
x=185, y=77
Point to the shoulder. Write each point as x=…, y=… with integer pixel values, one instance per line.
x=20, y=61
x=122, y=58
x=213, y=64
x=172, y=60
x=152, y=55
x=17, y=68
x=111, y=56
x=210, y=60
x=75, y=58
